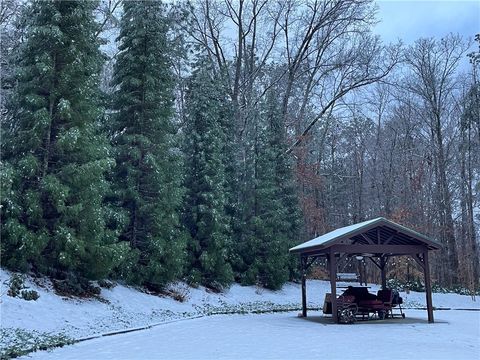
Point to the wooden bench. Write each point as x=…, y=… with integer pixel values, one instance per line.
x=349, y=277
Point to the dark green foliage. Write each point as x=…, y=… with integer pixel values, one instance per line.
x=52, y=211
x=271, y=216
x=79, y=206
x=399, y=285
x=17, y=288
x=15, y=285
x=147, y=176
x=106, y=284
x=205, y=201
x=29, y=295
x=72, y=285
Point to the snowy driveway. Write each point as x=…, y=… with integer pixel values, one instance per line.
x=455, y=335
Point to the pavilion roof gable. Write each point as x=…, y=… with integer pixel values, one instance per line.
x=339, y=235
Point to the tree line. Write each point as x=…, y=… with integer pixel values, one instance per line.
x=98, y=185
x=198, y=141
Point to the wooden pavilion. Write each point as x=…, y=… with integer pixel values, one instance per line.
x=377, y=239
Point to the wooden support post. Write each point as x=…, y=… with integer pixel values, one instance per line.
x=364, y=269
x=428, y=287
x=333, y=284
x=383, y=271
x=303, y=262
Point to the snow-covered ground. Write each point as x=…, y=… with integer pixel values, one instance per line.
x=125, y=307
x=285, y=336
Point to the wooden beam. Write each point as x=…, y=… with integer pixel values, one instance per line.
x=420, y=260
x=377, y=264
x=388, y=254
x=428, y=287
x=378, y=249
x=390, y=238
x=383, y=272
x=367, y=248
x=348, y=261
x=311, y=262
x=303, y=262
x=382, y=266
x=333, y=284
x=367, y=239
x=342, y=257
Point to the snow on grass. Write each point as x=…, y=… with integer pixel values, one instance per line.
x=53, y=317
x=285, y=336
x=16, y=342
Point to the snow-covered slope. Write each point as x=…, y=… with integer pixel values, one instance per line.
x=125, y=307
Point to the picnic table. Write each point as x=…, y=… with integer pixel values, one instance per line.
x=358, y=301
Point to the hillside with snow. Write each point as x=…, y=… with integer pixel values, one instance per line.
x=36, y=324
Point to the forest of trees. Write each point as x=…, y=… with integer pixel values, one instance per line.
x=151, y=141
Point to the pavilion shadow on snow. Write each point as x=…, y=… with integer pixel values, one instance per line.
x=378, y=239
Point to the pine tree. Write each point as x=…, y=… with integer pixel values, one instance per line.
x=289, y=220
x=147, y=178
x=205, y=201
x=271, y=217
x=53, y=216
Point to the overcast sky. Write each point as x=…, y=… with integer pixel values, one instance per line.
x=409, y=20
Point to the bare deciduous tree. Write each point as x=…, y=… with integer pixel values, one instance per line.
x=433, y=64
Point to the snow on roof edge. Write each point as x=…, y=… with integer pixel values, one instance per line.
x=346, y=230
x=332, y=235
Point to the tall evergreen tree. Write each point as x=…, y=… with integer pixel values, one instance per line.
x=271, y=217
x=289, y=216
x=147, y=178
x=53, y=212
x=205, y=201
